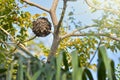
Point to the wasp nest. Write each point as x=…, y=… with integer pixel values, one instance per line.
x=41, y=27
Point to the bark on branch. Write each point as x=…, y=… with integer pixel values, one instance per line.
x=89, y=34
x=76, y=30
x=36, y=5
x=63, y=13
x=53, y=13
x=56, y=24
x=19, y=45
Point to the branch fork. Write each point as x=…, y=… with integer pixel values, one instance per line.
x=57, y=24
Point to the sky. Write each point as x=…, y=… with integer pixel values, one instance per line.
x=82, y=13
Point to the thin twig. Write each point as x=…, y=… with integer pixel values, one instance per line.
x=4, y=42
x=76, y=30
x=7, y=33
x=53, y=13
x=13, y=50
x=94, y=54
x=21, y=46
x=36, y=5
x=8, y=44
x=63, y=13
x=89, y=34
x=35, y=37
x=82, y=28
x=12, y=11
x=7, y=14
x=30, y=39
x=56, y=38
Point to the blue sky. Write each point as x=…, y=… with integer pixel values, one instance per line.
x=83, y=14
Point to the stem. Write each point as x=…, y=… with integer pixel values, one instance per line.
x=63, y=13
x=54, y=47
x=30, y=39
x=94, y=54
x=19, y=45
x=53, y=13
x=89, y=34
x=56, y=38
x=36, y=5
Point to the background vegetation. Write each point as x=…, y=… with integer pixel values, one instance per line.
x=69, y=57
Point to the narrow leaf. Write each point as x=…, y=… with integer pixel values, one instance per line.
x=101, y=72
x=59, y=62
x=64, y=77
x=20, y=69
x=10, y=71
x=88, y=73
x=36, y=75
x=113, y=70
x=65, y=62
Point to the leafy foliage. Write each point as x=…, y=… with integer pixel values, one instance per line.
x=71, y=61
x=33, y=69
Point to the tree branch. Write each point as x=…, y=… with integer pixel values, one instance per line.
x=82, y=28
x=36, y=5
x=56, y=38
x=30, y=39
x=21, y=46
x=89, y=34
x=13, y=50
x=54, y=5
x=100, y=8
x=76, y=30
x=53, y=12
x=63, y=13
x=94, y=53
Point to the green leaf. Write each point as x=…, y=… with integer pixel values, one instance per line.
x=70, y=14
x=2, y=57
x=2, y=70
x=84, y=77
x=64, y=77
x=93, y=10
x=101, y=72
x=106, y=61
x=44, y=14
x=118, y=45
x=10, y=71
x=21, y=1
x=65, y=61
x=77, y=72
x=36, y=75
x=74, y=65
x=88, y=73
x=59, y=62
x=113, y=70
x=20, y=69
x=28, y=76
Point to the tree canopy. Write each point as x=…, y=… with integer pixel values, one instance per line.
x=74, y=45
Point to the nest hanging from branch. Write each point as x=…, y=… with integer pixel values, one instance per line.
x=41, y=27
